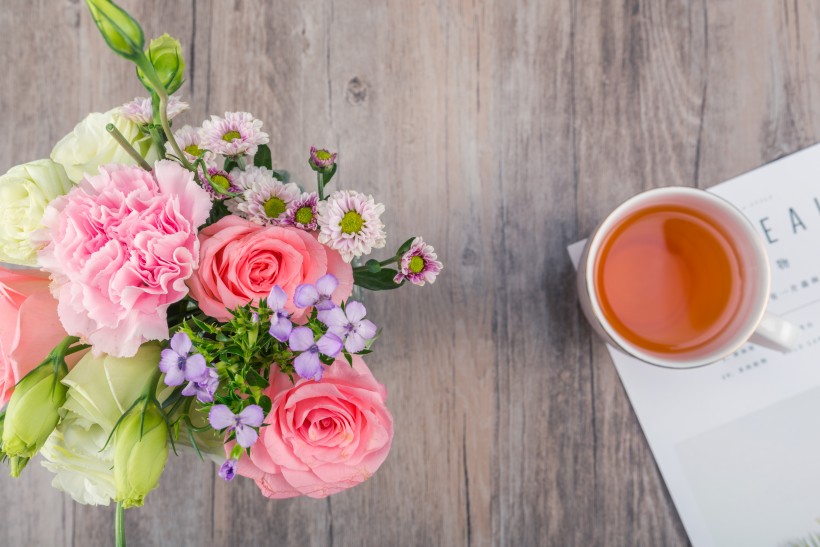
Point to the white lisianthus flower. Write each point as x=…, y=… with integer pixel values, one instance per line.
x=89, y=145
x=25, y=191
x=100, y=390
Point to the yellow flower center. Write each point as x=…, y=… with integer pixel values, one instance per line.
x=221, y=182
x=416, y=264
x=323, y=155
x=304, y=215
x=231, y=136
x=274, y=207
x=193, y=149
x=352, y=222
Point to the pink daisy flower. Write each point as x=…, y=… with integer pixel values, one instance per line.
x=236, y=134
x=140, y=111
x=419, y=265
x=350, y=223
x=264, y=199
x=223, y=180
x=187, y=138
x=303, y=212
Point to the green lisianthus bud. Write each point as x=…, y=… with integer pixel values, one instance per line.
x=139, y=459
x=32, y=412
x=165, y=55
x=120, y=31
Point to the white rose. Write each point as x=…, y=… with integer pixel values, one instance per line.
x=89, y=145
x=100, y=390
x=25, y=191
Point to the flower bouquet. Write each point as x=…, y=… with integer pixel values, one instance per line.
x=195, y=299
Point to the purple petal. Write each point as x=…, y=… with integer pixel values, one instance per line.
x=330, y=345
x=180, y=343
x=355, y=311
x=221, y=417
x=341, y=332
x=168, y=359
x=305, y=296
x=174, y=377
x=281, y=328
x=278, y=298
x=308, y=365
x=333, y=318
x=367, y=329
x=327, y=284
x=251, y=415
x=228, y=470
x=246, y=436
x=355, y=343
x=190, y=389
x=301, y=339
x=195, y=368
x=325, y=303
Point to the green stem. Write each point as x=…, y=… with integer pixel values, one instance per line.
x=127, y=146
x=119, y=526
x=382, y=263
x=320, y=183
x=163, y=114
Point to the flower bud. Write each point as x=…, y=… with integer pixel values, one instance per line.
x=120, y=31
x=32, y=412
x=165, y=55
x=139, y=458
x=322, y=161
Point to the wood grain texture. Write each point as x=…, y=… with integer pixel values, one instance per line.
x=502, y=130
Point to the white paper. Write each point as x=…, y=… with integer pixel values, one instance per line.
x=738, y=442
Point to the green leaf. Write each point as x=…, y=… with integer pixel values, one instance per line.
x=379, y=281
x=262, y=157
x=405, y=246
x=281, y=176
x=255, y=379
x=329, y=175
x=348, y=358
x=266, y=404
x=373, y=266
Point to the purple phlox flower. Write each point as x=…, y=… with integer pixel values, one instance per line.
x=350, y=325
x=280, y=323
x=205, y=387
x=308, y=364
x=177, y=365
x=319, y=295
x=252, y=416
x=227, y=470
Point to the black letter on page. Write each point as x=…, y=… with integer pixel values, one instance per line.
x=796, y=220
x=767, y=230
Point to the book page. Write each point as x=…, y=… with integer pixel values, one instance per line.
x=738, y=442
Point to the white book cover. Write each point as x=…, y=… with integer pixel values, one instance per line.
x=738, y=442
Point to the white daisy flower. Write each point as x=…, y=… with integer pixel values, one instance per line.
x=350, y=223
x=264, y=199
x=140, y=111
x=187, y=138
x=236, y=134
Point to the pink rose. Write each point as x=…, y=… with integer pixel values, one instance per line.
x=240, y=262
x=322, y=437
x=120, y=246
x=29, y=326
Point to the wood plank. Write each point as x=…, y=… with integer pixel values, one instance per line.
x=499, y=130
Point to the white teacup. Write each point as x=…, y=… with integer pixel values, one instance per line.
x=751, y=323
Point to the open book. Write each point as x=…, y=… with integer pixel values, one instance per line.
x=738, y=442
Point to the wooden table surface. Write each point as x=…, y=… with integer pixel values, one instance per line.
x=502, y=131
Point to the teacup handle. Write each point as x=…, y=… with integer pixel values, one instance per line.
x=776, y=333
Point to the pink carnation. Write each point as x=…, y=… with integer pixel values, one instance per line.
x=322, y=437
x=120, y=246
